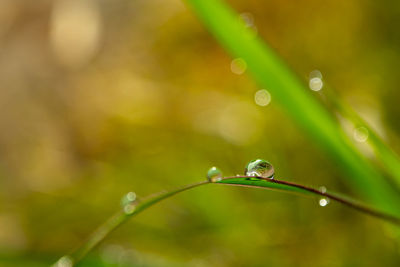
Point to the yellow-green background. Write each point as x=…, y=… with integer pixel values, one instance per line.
x=98, y=98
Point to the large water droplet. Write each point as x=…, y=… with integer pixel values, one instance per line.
x=260, y=168
x=128, y=203
x=214, y=175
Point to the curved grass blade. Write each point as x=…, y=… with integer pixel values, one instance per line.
x=270, y=72
x=121, y=216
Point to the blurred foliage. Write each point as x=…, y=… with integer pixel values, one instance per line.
x=99, y=98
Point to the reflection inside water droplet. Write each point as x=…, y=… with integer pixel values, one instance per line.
x=323, y=202
x=214, y=175
x=260, y=168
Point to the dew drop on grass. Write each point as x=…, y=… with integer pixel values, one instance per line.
x=315, y=74
x=322, y=189
x=128, y=202
x=315, y=80
x=323, y=201
x=128, y=198
x=316, y=84
x=248, y=20
x=214, y=174
x=129, y=209
x=260, y=168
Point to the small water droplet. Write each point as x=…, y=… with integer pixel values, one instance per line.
x=64, y=261
x=316, y=84
x=323, y=202
x=128, y=202
x=315, y=74
x=238, y=66
x=262, y=97
x=322, y=189
x=128, y=198
x=260, y=168
x=361, y=134
x=247, y=18
x=129, y=208
x=214, y=175
x=248, y=21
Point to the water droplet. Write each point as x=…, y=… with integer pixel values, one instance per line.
x=360, y=134
x=315, y=80
x=316, y=84
x=260, y=168
x=315, y=74
x=247, y=18
x=128, y=198
x=262, y=97
x=238, y=66
x=248, y=21
x=129, y=209
x=323, y=202
x=64, y=261
x=128, y=203
x=322, y=189
x=214, y=174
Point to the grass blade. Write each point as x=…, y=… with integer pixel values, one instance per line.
x=121, y=217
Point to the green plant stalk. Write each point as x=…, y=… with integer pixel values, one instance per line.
x=270, y=72
x=121, y=217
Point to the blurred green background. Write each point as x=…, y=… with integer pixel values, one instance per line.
x=99, y=98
